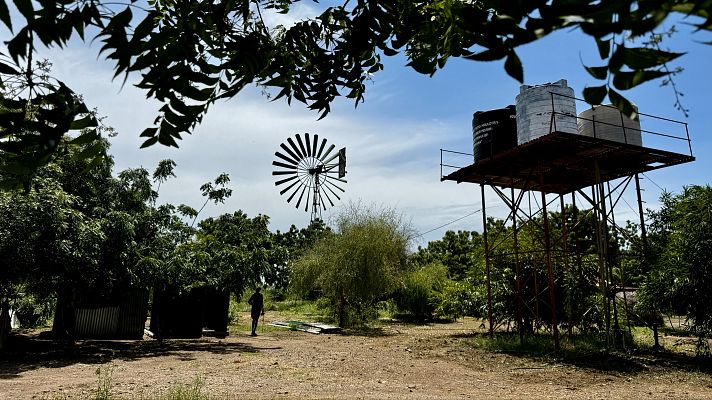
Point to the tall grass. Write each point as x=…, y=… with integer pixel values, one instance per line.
x=103, y=386
x=193, y=391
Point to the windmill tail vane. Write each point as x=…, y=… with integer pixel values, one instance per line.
x=307, y=167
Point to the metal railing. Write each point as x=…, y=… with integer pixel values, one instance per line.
x=593, y=121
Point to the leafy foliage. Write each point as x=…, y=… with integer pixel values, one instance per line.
x=681, y=276
x=457, y=251
x=358, y=266
x=296, y=242
x=419, y=292
x=35, y=114
x=192, y=54
x=230, y=252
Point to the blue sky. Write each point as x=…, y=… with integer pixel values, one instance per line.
x=393, y=139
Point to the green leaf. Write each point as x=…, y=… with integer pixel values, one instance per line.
x=487, y=55
x=149, y=142
x=25, y=8
x=149, y=132
x=598, y=72
x=389, y=52
x=595, y=95
x=90, y=152
x=85, y=122
x=86, y=138
x=622, y=104
x=95, y=162
x=144, y=28
x=616, y=61
x=639, y=58
x=5, y=15
x=513, y=66
x=421, y=65
x=628, y=80
x=604, y=48
x=19, y=46
x=8, y=69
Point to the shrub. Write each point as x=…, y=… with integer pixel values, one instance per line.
x=457, y=299
x=419, y=293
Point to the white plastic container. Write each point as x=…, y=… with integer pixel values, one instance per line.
x=534, y=110
x=606, y=122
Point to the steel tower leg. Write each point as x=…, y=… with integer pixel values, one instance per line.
x=487, y=262
x=550, y=267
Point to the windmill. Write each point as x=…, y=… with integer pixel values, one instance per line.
x=309, y=167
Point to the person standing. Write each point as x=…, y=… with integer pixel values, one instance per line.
x=257, y=302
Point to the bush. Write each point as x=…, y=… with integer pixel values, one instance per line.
x=358, y=267
x=419, y=293
x=34, y=312
x=457, y=299
x=234, y=310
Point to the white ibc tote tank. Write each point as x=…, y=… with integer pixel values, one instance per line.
x=534, y=110
x=606, y=122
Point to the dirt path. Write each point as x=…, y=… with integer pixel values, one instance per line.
x=399, y=361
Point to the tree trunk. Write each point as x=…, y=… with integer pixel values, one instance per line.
x=342, y=311
x=4, y=323
x=656, y=347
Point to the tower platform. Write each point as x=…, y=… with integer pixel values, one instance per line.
x=562, y=163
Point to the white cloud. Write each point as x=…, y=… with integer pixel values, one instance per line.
x=297, y=12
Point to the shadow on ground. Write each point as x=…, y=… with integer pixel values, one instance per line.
x=367, y=332
x=26, y=352
x=586, y=356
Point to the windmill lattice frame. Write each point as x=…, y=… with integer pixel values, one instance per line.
x=307, y=166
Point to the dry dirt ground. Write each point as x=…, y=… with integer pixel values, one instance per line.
x=397, y=361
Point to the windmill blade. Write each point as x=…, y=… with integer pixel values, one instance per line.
x=322, y=200
x=327, y=197
x=332, y=159
x=316, y=139
x=334, y=185
x=294, y=147
x=285, y=180
x=335, y=178
x=285, y=158
x=332, y=192
x=301, y=145
x=289, y=151
x=281, y=192
x=283, y=172
x=283, y=165
x=327, y=153
x=330, y=167
x=306, y=203
x=292, y=195
x=301, y=195
x=321, y=149
x=308, y=144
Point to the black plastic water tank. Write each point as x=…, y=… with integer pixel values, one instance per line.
x=493, y=131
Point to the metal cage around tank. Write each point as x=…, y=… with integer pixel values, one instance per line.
x=551, y=169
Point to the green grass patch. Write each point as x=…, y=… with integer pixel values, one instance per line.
x=539, y=345
x=287, y=309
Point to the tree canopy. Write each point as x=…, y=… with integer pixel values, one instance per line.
x=190, y=54
x=358, y=266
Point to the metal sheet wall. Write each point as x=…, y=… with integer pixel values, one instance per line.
x=99, y=322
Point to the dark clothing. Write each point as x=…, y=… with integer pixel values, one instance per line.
x=257, y=303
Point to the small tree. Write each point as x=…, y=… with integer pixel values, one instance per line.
x=357, y=267
x=682, y=270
